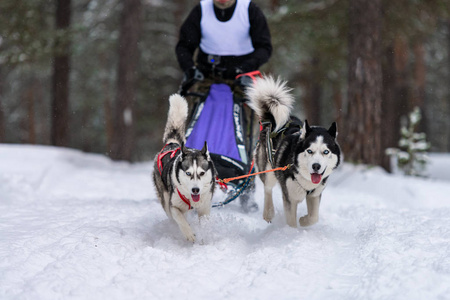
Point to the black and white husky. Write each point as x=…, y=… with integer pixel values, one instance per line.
x=311, y=153
x=184, y=178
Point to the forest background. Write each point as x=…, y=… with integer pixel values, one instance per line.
x=96, y=74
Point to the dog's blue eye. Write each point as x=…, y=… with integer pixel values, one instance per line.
x=309, y=151
x=326, y=152
x=188, y=173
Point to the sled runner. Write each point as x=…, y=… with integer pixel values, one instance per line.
x=221, y=118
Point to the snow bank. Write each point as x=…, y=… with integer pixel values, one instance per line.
x=79, y=226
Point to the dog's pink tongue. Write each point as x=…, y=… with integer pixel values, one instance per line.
x=315, y=178
x=195, y=198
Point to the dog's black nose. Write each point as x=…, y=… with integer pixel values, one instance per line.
x=195, y=191
x=316, y=167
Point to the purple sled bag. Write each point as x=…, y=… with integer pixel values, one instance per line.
x=215, y=124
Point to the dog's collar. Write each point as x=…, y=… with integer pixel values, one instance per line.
x=185, y=199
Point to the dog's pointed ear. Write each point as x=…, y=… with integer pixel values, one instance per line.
x=305, y=130
x=204, y=150
x=183, y=149
x=308, y=128
x=333, y=130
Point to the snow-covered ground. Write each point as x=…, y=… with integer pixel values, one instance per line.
x=79, y=226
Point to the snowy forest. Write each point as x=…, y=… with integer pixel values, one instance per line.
x=70, y=69
x=84, y=89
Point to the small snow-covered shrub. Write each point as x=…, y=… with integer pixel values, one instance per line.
x=411, y=156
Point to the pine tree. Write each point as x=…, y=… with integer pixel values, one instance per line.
x=411, y=156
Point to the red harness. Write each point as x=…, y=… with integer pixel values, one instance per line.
x=161, y=156
x=160, y=169
x=252, y=75
x=173, y=152
x=185, y=200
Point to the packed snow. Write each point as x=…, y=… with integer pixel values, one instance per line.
x=80, y=226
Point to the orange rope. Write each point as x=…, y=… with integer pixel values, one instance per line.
x=226, y=180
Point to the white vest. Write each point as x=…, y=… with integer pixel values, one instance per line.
x=226, y=38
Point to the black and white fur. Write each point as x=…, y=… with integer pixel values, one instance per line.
x=312, y=152
x=188, y=172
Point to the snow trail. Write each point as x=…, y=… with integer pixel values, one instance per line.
x=79, y=226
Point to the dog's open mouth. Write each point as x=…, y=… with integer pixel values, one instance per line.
x=195, y=198
x=316, y=178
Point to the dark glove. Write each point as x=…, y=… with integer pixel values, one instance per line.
x=232, y=73
x=243, y=82
x=193, y=75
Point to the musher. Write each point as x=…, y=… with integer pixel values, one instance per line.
x=219, y=40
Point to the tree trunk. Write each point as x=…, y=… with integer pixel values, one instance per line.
x=401, y=58
x=109, y=128
x=313, y=93
x=274, y=5
x=337, y=101
x=130, y=25
x=395, y=95
x=179, y=13
x=390, y=107
x=418, y=98
x=419, y=75
x=362, y=135
x=61, y=71
x=30, y=120
x=2, y=112
x=447, y=100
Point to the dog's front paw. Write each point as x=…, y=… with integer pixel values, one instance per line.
x=268, y=214
x=189, y=234
x=191, y=238
x=308, y=221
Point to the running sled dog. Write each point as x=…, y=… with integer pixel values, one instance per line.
x=311, y=152
x=184, y=178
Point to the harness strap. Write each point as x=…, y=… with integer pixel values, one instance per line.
x=221, y=184
x=161, y=156
x=252, y=75
x=271, y=135
x=269, y=144
x=185, y=200
x=226, y=180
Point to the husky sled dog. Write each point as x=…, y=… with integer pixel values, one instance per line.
x=184, y=178
x=312, y=153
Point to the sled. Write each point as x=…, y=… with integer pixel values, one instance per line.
x=222, y=119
